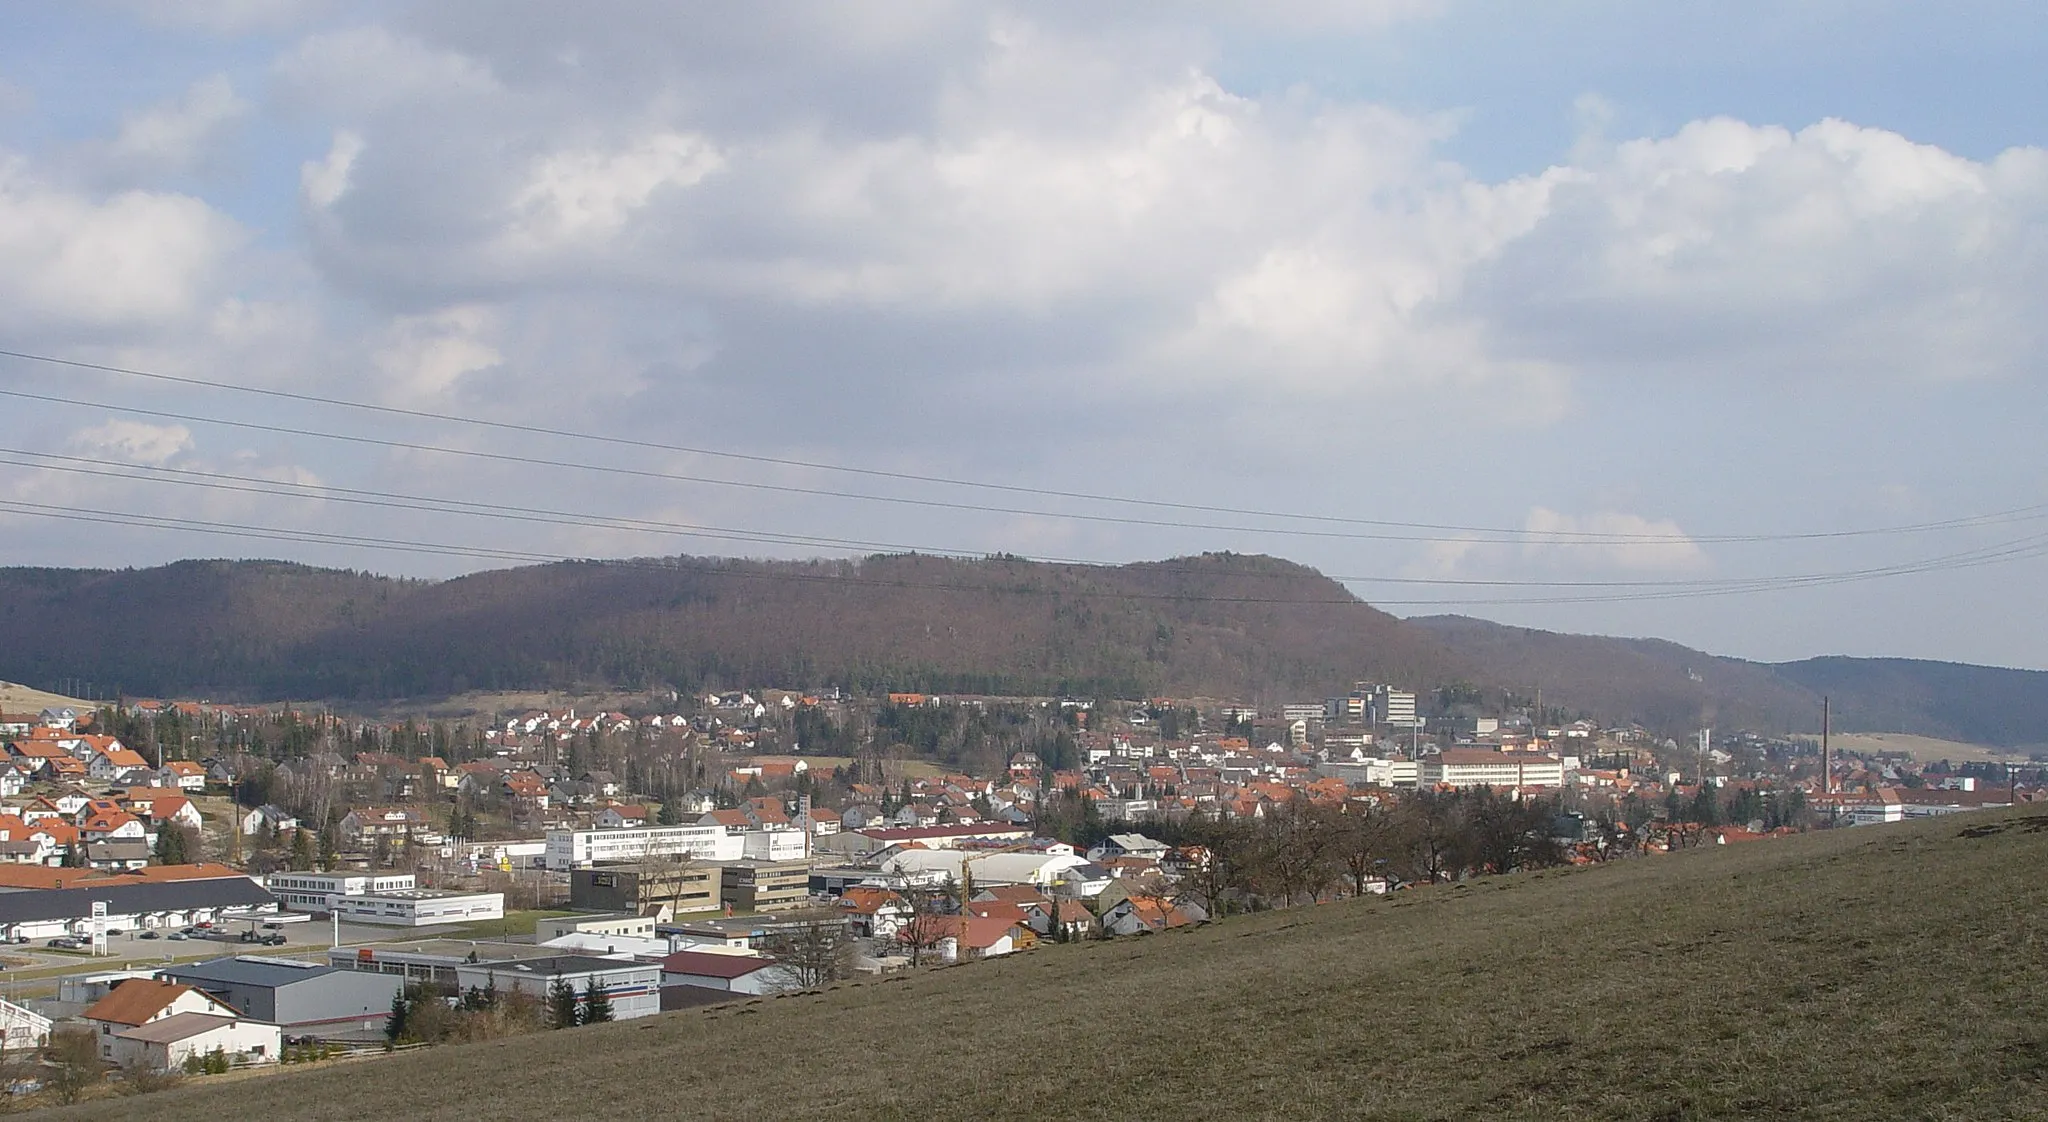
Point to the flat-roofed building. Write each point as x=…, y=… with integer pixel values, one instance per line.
x=765, y=886
x=420, y=907
x=580, y=849
x=1480, y=767
x=620, y=923
x=632, y=988
x=647, y=887
x=316, y=892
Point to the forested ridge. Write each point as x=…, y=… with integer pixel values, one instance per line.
x=1227, y=626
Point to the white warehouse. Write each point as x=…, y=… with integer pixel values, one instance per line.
x=317, y=892
x=580, y=849
x=420, y=907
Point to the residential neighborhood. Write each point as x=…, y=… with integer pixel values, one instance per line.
x=427, y=882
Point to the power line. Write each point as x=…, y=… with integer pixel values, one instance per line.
x=2033, y=546
x=290, y=489
x=1463, y=533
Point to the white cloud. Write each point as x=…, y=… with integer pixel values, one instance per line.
x=229, y=17
x=364, y=71
x=129, y=261
x=1730, y=248
x=325, y=180
x=424, y=357
x=585, y=195
x=1625, y=542
x=174, y=137
x=133, y=442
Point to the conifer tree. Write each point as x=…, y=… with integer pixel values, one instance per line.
x=562, y=1005
x=597, y=1008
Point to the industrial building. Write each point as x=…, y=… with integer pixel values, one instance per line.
x=765, y=886
x=580, y=849
x=633, y=988
x=128, y=906
x=420, y=907
x=317, y=892
x=302, y=998
x=642, y=888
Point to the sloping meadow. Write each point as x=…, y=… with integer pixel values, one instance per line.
x=1886, y=972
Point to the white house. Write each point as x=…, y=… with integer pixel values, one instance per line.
x=23, y=1029
x=165, y=1045
x=182, y=774
x=1128, y=845
x=276, y=818
x=141, y=1001
x=633, y=988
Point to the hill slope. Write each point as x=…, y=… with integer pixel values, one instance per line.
x=1669, y=687
x=1787, y=979
x=1254, y=628
x=1227, y=625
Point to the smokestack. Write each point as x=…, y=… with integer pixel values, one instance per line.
x=1827, y=759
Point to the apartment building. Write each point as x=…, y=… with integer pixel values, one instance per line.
x=581, y=849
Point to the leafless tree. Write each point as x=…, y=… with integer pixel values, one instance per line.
x=930, y=908
x=1367, y=839
x=812, y=948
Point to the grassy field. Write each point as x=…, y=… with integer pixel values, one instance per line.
x=16, y=698
x=1925, y=749
x=1883, y=972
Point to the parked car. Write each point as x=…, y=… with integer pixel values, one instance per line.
x=273, y=927
x=272, y=940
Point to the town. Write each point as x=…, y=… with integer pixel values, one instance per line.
x=188, y=888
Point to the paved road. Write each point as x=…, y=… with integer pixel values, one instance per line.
x=309, y=940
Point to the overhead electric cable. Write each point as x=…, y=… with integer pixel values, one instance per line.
x=1464, y=532
x=2032, y=546
x=292, y=489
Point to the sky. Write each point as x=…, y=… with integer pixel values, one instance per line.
x=1720, y=322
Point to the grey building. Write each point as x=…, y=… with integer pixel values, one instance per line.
x=303, y=998
x=633, y=988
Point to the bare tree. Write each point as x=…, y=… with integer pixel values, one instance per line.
x=1367, y=840
x=74, y=1063
x=931, y=908
x=667, y=874
x=1436, y=837
x=1217, y=856
x=1294, y=854
x=812, y=948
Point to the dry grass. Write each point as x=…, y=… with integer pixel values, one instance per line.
x=1885, y=972
x=15, y=698
x=1925, y=749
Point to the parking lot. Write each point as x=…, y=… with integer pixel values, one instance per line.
x=33, y=969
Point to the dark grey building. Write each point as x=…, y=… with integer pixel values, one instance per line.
x=131, y=903
x=303, y=998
